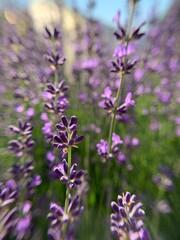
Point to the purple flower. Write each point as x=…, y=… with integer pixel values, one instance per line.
x=83, y=96
x=122, y=109
x=47, y=130
x=123, y=51
x=55, y=35
x=57, y=60
x=74, y=178
x=178, y=131
x=135, y=142
x=116, y=19
x=8, y=193
x=62, y=103
x=24, y=129
x=121, y=158
x=107, y=93
x=163, y=207
x=44, y=117
x=23, y=227
x=30, y=112
x=50, y=156
x=116, y=139
x=164, y=179
x=59, y=217
x=47, y=96
x=32, y=183
x=108, y=102
x=121, y=66
x=19, y=108
x=165, y=97
x=138, y=74
x=155, y=126
x=67, y=134
x=90, y=64
x=128, y=101
x=102, y=148
x=61, y=88
x=24, y=143
x=127, y=217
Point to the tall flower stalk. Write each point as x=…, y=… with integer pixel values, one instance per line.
x=62, y=218
x=121, y=76
x=122, y=66
x=23, y=182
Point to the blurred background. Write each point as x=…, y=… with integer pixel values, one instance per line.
x=104, y=10
x=149, y=163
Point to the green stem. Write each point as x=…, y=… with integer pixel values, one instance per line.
x=87, y=145
x=67, y=192
x=132, y=8
x=156, y=216
x=113, y=116
x=67, y=189
x=56, y=95
x=56, y=77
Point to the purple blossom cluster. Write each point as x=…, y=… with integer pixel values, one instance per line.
x=63, y=218
x=127, y=219
x=16, y=193
x=67, y=134
x=113, y=102
x=102, y=147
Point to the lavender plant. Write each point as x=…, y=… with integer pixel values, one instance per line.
x=139, y=133
x=126, y=221
x=20, y=189
x=62, y=218
x=122, y=66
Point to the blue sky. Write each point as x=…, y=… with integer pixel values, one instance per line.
x=106, y=9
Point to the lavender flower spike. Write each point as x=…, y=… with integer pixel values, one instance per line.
x=67, y=133
x=126, y=221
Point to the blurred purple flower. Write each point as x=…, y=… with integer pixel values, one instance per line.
x=127, y=218
x=44, y=117
x=30, y=112
x=138, y=74
x=123, y=51
x=50, y=156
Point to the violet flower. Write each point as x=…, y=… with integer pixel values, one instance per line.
x=24, y=143
x=121, y=66
x=102, y=147
x=126, y=221
x=56, y=60
x=122, y=109
x=67, y=133
x=123, y=51
x=62, y=219
x=74, y=178
x=55, y=35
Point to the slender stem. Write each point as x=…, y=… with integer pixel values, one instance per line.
x=67, y=191
x=56, y=77
x=113, y=116
x=56, y=70
x=87, y=145
x=156, y=216
x=56, y=94
x=132, y=8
